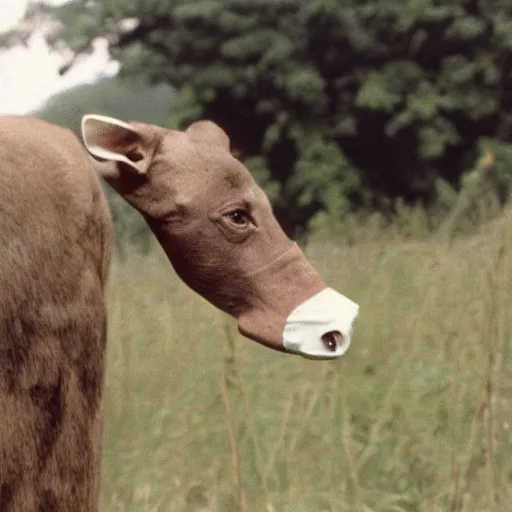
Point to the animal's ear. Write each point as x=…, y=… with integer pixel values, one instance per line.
x=208, y=131
x=113, y=140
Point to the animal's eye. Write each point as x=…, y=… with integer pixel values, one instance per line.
x=238, y=217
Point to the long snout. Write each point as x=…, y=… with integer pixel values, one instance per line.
x=321, y=327
x=296, y=312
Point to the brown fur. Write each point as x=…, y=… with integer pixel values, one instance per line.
x=186, y=184
x=55, y=240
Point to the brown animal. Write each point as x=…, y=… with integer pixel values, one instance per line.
x=55, y=240
x=219, y=232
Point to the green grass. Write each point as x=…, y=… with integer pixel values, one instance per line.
x=416, y=417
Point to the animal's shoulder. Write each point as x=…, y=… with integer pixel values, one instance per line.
x=52, y=208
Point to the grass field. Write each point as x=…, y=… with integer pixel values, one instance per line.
x=416, y=417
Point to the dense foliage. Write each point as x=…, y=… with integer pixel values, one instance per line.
x=334, y=103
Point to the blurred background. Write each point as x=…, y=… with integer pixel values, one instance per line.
x=381, y=132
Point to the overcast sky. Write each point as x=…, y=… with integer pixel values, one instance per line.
x=29, y=76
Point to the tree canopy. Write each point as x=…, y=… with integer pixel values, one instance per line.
x=334, y=104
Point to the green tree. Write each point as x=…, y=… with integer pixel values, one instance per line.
x=341, y=103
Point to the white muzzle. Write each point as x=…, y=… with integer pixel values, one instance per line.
x=321, y=327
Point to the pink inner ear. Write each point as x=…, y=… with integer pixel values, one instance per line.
x=112, y=137
x=209, y=132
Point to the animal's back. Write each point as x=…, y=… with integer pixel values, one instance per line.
x=55, y=239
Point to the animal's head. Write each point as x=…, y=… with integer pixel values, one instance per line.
x=218, y=230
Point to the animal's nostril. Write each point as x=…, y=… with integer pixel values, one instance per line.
x=332, y=340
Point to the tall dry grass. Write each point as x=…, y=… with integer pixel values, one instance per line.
x=416, y=417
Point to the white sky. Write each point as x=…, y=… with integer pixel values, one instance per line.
x=29, y=76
